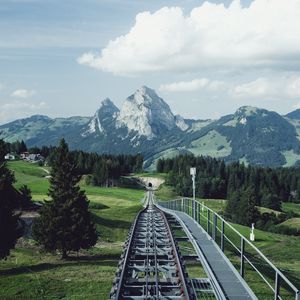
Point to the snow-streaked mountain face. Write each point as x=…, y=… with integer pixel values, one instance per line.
x=103, y=118
x=146, y=113
x=143, y=114
x=145, y=124
x=180, y=123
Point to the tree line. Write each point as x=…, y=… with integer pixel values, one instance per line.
x=103, y=169
x=245, y=187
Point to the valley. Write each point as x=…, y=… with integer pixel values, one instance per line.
x=30, y=273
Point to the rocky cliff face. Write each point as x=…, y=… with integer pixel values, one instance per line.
x=103, y=119
x=146, y=113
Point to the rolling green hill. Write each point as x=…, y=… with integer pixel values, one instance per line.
x=31, y=274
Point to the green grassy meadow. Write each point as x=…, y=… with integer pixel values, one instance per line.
x=281, y=250
x=29, y=273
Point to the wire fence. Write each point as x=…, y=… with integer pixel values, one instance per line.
x=266, y=281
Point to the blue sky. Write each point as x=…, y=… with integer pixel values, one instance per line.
x=205, y=60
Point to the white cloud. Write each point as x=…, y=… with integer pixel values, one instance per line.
x=22, y=93
x=193, y=85
x=19, y=109
x=284, y=87
x=269, y=88
x=265, y=34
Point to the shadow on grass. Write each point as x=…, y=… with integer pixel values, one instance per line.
x=95, y=205
x=97, y=260
x=111, y=223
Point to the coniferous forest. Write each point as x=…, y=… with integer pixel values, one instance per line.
x=245, y=187
x=103, y=169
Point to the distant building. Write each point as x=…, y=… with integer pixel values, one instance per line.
x=9, y=156
x=35, y=158
x=24, y=155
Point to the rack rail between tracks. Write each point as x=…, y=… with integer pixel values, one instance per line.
x=150, y=266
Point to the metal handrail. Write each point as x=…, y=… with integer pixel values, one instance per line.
x=187, y=205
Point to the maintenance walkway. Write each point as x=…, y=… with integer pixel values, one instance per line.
x=226, y=280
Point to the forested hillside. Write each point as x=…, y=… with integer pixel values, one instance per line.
x=245, y=187
x=101, y=169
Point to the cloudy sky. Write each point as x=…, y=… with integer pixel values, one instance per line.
x=205, y=58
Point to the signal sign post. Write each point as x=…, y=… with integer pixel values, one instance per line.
x=193, y=174
x=252, y=236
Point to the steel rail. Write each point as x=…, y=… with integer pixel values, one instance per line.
x=181, y=273
x=150, y=252
x=126, y=255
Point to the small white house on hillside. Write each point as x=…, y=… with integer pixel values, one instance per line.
x=9, y=156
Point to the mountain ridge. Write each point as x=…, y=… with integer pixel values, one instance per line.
x=145, y=124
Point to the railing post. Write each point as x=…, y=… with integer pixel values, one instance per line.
x=208, y=221
x=185, y=205
x=182, y=204
x=242, y=269
x=277, y=286
x=194, y=209
x=214, y=233
x=297, y=295
x=199, y=212
x=222, y=235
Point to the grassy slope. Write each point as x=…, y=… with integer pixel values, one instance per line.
x=276, y=247
x=292, y=223
x=31, y=274
x=150, y=174
x=28, y=273
x=288, y=206
x=30, y=174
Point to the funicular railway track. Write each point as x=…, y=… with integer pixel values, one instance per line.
x=150, y=266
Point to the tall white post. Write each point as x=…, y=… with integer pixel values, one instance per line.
x=252, y=236
x=193, y=174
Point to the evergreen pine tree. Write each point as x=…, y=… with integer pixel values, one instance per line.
x=252, y=212
x=26, y=198
x=160, y=166
x=9, y=221
x=138, y=167
x=22, y=147
x=65, y=222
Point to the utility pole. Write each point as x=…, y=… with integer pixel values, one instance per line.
x=193, y=174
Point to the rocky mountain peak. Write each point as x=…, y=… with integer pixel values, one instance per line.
x=107, y=107
x=103, y=118
x=144, y=95
x=294, y=115
x=146, y=113
x=247, y=111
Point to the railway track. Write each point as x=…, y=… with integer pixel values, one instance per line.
x=150, y=266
